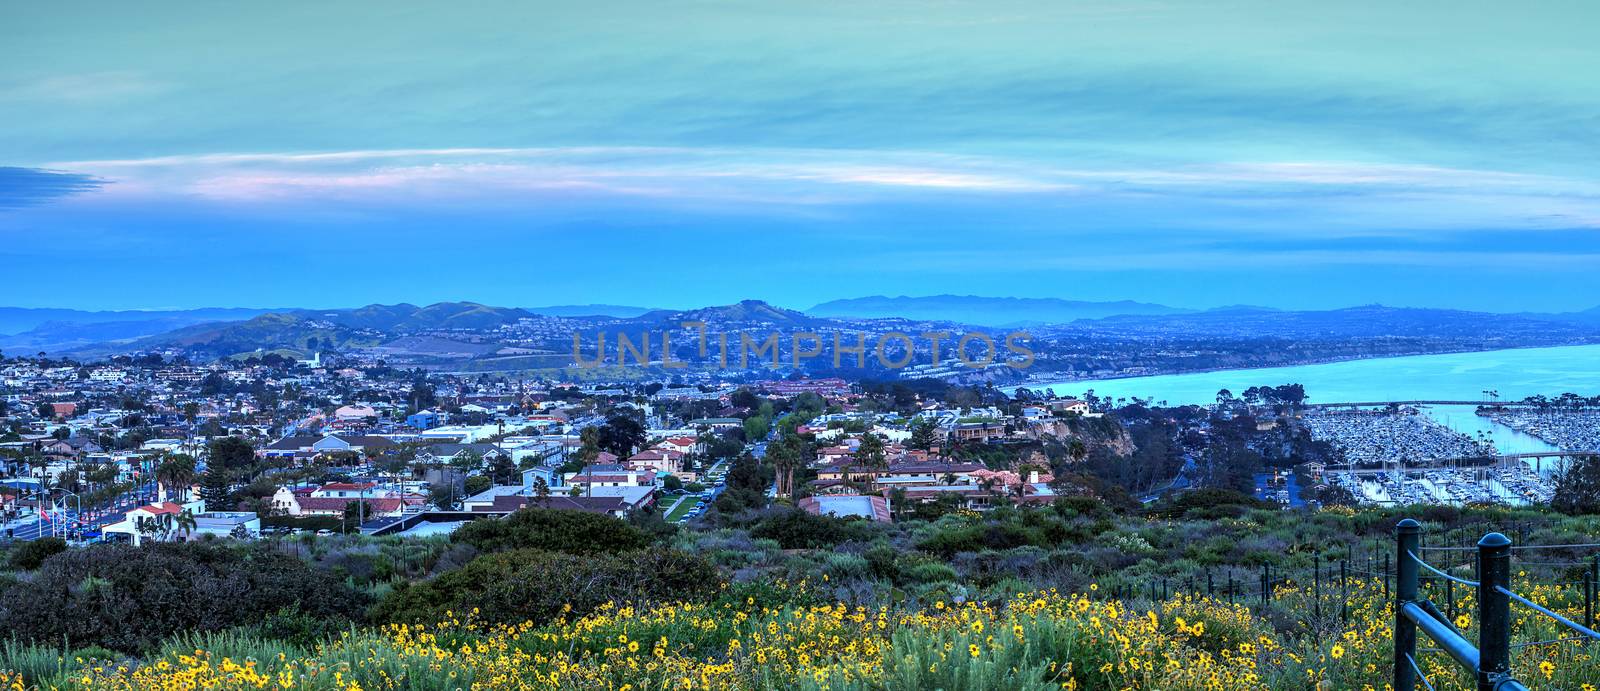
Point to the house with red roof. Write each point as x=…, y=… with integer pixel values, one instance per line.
x=683, y=445
x=660, y=461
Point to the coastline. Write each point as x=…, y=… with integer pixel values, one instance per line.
x=1046, y=385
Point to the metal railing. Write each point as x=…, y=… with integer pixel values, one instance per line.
x=1490, y=660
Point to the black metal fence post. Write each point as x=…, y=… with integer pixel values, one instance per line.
x=1316, y=585
x=1494, y=611
x=1593, y=591
x=1406, y=534
x=1344, y=592
x=1386, y=569
x=1265, y=590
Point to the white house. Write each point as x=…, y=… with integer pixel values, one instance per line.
x=160, y=521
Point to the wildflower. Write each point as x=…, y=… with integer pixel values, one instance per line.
x=1337, y=651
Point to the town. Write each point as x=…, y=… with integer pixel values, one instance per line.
x=140, y=448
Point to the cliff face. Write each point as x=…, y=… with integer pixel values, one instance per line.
x=1104, y=434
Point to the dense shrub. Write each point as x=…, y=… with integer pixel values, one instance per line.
x=535, y=585
x=574, y=532
x=950, y=540
x=1209, y=503
x=1089, y=507
x=129, y=598
x=796, y=529
x=30, y=555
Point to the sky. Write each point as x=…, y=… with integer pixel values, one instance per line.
x=1286, y=153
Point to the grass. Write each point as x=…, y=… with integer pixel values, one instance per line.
x=682, y=508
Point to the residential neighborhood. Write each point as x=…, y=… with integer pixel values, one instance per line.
x=153, y=448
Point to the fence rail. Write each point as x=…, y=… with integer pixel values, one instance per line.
x=1490, y=659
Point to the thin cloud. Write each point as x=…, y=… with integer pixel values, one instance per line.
x=1250, y=197
x=20, y=187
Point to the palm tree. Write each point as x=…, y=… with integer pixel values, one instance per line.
x=186, y=523
x=153, y=527
x=146, y=526
x=177, y=471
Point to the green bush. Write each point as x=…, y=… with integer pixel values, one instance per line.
x=538, y=586
x=930, y=572
x=796, y=529
x=841, y=566
x=31, y=554
x=574, y=532
x=129, y=598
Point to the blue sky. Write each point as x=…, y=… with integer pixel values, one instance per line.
x=1279, y=152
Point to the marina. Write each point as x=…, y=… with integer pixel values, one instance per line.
x=1418, y=453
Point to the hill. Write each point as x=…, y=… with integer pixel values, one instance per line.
x=51, y=337
x=19, y=320
x=1365, y=321
x=617, y=311
x=408, y=318
x=305, y=331
x=743, y=312
x=985, y=311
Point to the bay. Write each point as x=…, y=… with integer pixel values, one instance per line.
x=1514, y=374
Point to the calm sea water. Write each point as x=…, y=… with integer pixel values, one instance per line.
x=1457, y=376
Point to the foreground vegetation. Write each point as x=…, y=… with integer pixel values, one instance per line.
x=1067, y=596
x=1039, y=640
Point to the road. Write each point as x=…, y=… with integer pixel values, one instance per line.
x=92, y=521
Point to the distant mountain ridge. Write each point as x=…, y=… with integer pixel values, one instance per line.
x=311, y=330
x=304, y=331
x=618, y=311
x=17, y=320
x=1363, y=321
x=985, y=311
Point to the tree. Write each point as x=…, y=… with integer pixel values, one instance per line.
x=230, y=452
x=46, y=411
x=756, y=428
x=785, y=457
x=356, y=511
x=870, y=453
x=621, y=435
x=467, y=460
x=442, y=495
x=421, y=397
x=924, y=434
x=588, y=449
x=747, y=487
x=502, y=471
x=1578, y=487
x=155, y=527
x=476, y=484
x=745, y=474
x=1077, y=450
x=744, y=398
x=186, y=523
x=176, y=473
x=216, y=488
